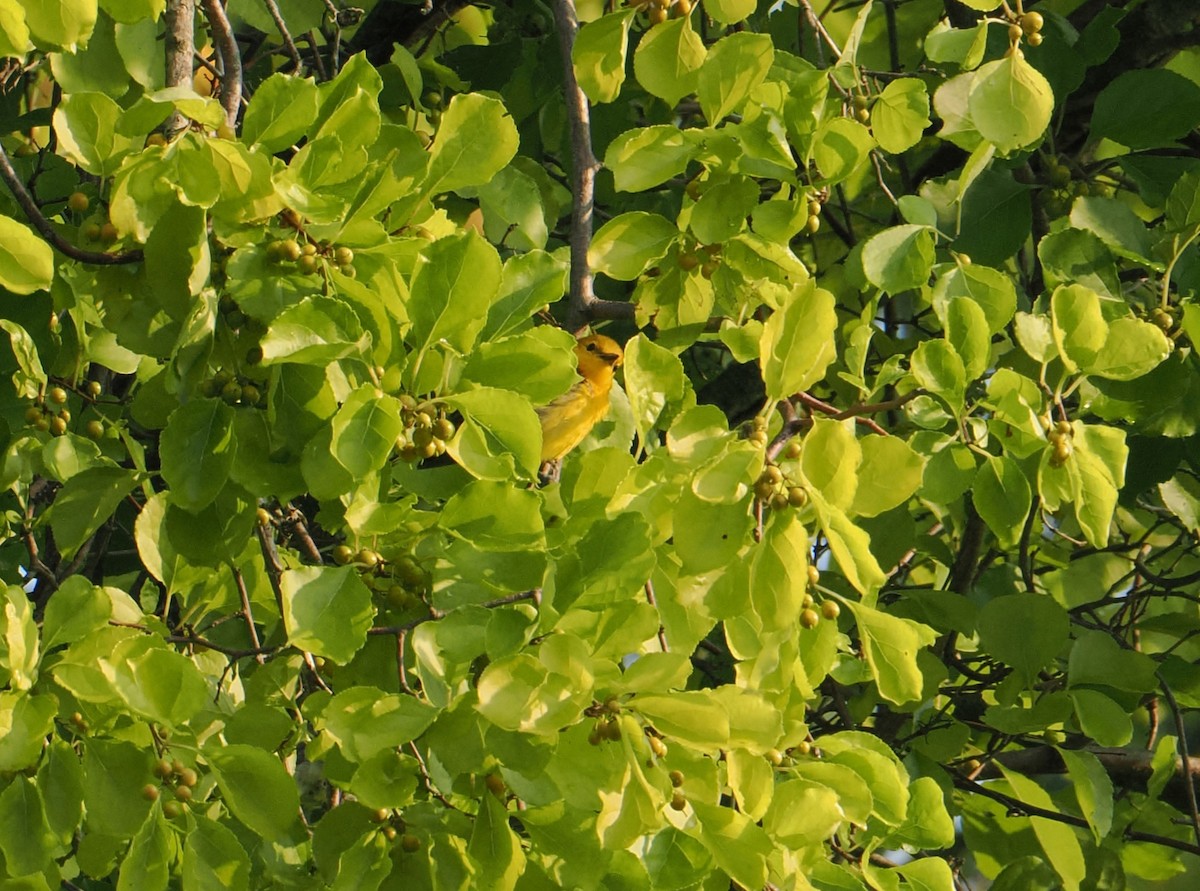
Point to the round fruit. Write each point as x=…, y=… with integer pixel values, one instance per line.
x=1032, y=22
x=793, y=450
x=263, y=516
x=678, y=800
x=813, y=224
x=343, y=256
x=94, y=429
x=1062, y=451
x=78, y=202
x=814, y=207
x=231, y=392
x=779, y=501
x=251, y=394
x=809, y=618
x=657, y=746
x=830, y=610
x=676, y=777
x=1059, y=175
x=188, y=777
x=814, y=575
x=433, y=99
x=183, y=793
x=57, y=394
x=496, y=785
x=683, y=7
x=1015, y=33
x=410, y=843
x=774, y=756
x=763, y=490
x=150, y=792
x=797, y=497
x=343, y=554
x=108, y=233
x=443, y=428
x=688, y=262
x=708, y=269
x=772, y=474
x=381, y=815
x=804, y=747
x=861, y=101
x=162, y=768
x=863, y=115
x=1064, y=428
x=658, y=15
x=367, y=557
x=389, y=832
x=307, y=265
x=33, y=414
x=58, y=426
x=172, y=809
x=91, y=231
x=94, y=389
x=291, y=251
x=1035, y=39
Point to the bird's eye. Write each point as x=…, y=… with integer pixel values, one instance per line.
x=591, y=347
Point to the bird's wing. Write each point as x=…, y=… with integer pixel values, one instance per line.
x=569, y=418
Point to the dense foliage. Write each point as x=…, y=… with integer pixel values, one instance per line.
x=882, y=572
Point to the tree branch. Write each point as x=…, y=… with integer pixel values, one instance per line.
x=179, y=19
x=583, y=303
x=231, y=59
x=277, y=16
x=46, y=229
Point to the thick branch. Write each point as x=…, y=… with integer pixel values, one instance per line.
x=179, y=19
x=47, y=230
x=584, y=304
x=231, y=59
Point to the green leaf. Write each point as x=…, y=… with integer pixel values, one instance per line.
x=900, y=114
x=629, y=243
x=1058, y=840
x=779, y=572
x=890, y=645
x=114, y=772
x=158, y=684
x=1093, y=789
x=598, y=55
x=668, y=59
x=14, y=33
x=797, y=343
x=899, y=259
x=85, y=503
x=728, y=12
x=257, y=789
x=85, y=124
x=26, y=261
x=454, y=285
x=939, y=369
x=1077, y=257
x=1010, y=103
x=364, y=721
x=739, y=847
x=676, y=860
x=495, y=516
x=62, y=25
x=25, y=838
x=496, y=848
x=803, y=813
x=213, y=858
x=1146, y=108
x=890, y=473
x=961, y=46
x=500, y=432
x=990, y=289
x=722, y=210
x=458, y=157
x=388, y=779
x=281, y=112
x=736, y=64
x=327, y=610
x=19, y=650
x=1132, y=349
x=839, y=148
x=147, y=863
x=1003, y=497
x=654, y=379
x=365, y=430
x=29, y=378
x=198, y=449
x=317, y=330
x=1078, y=325
x=25, y=721
x=1096, y=659
x=1024, y=630
x=646, y=157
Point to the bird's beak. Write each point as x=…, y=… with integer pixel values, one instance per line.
x=613, y=359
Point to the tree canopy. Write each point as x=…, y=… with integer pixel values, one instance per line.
x=883, y=571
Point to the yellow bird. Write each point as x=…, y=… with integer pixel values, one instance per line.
x=570, y=417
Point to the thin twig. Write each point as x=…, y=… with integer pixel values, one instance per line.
x=1181, y=744
x=318, y=62
x=1032, y=810
x=584, y=305
x=231, y=59
x=653, y=601
x=244, y=595
x=277, y=16
x=295, y=521
x=46, y=229
x=819, y=27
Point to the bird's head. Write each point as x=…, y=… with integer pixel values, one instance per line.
x=598, y=355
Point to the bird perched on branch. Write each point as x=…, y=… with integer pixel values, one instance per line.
x=570, y=417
